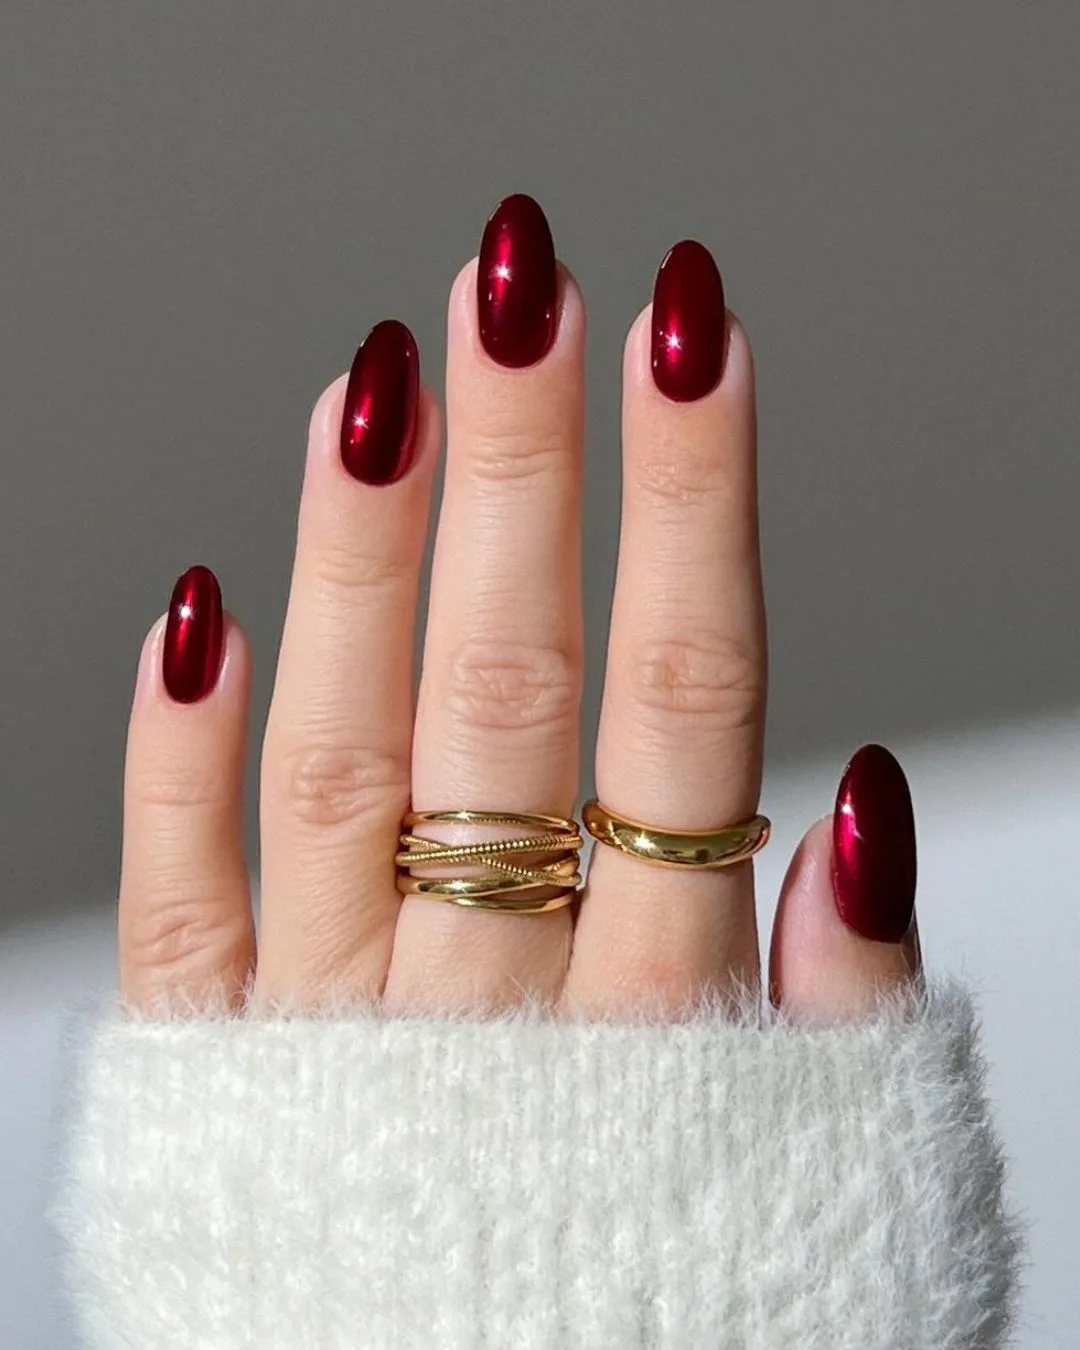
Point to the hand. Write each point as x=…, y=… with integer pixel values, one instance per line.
x=495, y=725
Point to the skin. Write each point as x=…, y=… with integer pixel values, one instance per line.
x=496, y=721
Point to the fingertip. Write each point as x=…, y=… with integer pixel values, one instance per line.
x=572, y=315
x=234, y=673
x=463, y=292
x=637, y=355
x=820, y=969
x=792, y=951
x=738, y=377
x=428, y=423
x=237, y=663
x=150, y=651
x=463, y=321
x=324, y=425
x=324, y=432
x=736, y=384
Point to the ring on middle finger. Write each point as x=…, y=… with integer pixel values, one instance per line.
x=533, y=872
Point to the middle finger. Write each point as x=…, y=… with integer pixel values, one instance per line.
x=497, y=714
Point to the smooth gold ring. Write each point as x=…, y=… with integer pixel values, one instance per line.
x=706, y=849
x=548, y=880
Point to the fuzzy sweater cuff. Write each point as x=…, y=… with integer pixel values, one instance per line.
x=355, y=1180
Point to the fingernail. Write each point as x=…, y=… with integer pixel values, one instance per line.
x=194, y=635
x=378, y=425
x=688, y=323
x=516, y=284
x=874, y=846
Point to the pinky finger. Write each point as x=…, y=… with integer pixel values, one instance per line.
x=845, y=931
x=186, y=932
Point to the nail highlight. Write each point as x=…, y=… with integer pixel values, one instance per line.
x=688, y=323
x=378, y=424
x=517, y=284
x=194, y=636
x=874, y=846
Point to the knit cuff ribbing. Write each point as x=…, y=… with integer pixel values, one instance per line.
x=356, y=1180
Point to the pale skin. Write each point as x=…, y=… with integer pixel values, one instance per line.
x=496, y=723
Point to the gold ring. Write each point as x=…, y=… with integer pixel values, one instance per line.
x=548, y=879
x=676, y=848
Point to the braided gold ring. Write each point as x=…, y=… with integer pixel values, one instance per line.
x=676, y=848
x=546, y=878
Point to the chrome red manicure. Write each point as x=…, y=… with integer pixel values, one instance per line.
x=516, y=284
x=688, y=323
x=874, y=846
x=378, y=425
x=194, y=636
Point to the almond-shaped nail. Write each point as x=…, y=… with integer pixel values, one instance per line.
x=194, y=636
x=874, y=846
x=378, y=424
x=517, y=284
x=688, y=323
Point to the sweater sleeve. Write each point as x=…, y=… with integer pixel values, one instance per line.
x=357, y=1180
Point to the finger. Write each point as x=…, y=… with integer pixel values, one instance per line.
x=845, y=929
x=335, y=764
x=680, y=740
x=185, y=926
x=497, y=719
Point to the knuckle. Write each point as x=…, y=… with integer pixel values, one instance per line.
x=328, y=785
x=715, y=685
x=499, y=686
x=355, y=570
x=683, y=475
x=185, y=930
x=179, y=786
x=512, y=455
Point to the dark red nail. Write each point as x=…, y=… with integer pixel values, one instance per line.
x=194, y=635
x=874, y=847
x=378, y=426
x=688, y=323
x=516, y=285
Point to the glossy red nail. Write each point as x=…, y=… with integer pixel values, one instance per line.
x=516, y=284
x=378, y=425
x=688, y=323
x=194, y=636
x=874, y=846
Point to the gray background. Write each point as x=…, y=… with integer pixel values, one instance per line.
x=206, y=205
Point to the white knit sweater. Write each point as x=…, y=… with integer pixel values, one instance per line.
x=354, y=1180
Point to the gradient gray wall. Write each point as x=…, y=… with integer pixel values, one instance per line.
x=205, y=206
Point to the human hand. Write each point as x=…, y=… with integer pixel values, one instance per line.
x=598, y=1177
x=496, y=724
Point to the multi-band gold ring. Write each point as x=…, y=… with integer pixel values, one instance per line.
x=530, y=873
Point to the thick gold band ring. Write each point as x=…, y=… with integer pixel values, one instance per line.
x=676, y=848
x=548, y=880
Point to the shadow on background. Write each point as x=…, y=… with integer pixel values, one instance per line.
x=207, y=207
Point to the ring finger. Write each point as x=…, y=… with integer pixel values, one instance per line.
x=497, y=715
x=681, y=728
